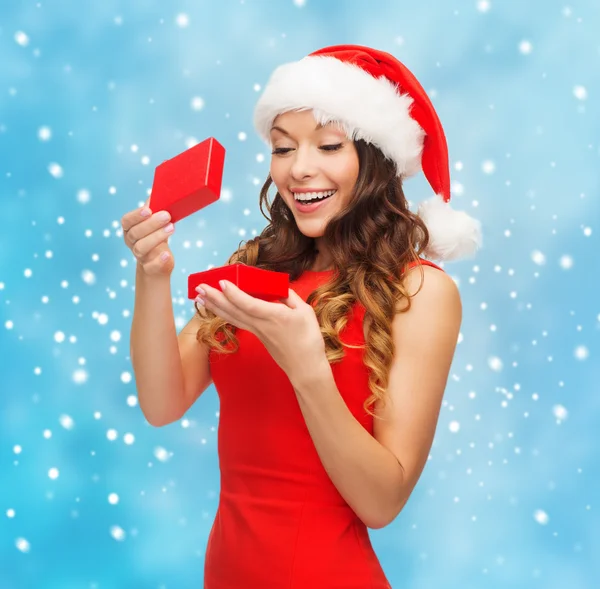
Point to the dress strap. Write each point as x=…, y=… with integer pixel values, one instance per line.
x=423, y=262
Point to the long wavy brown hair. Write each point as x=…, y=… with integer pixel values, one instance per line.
x=371, y=241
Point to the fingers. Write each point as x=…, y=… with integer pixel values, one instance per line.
x=134, y=217
x=145, y=236
x=143, y=231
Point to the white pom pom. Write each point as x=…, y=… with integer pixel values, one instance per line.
x=452, y=234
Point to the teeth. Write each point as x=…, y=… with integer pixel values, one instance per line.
x=311, y=195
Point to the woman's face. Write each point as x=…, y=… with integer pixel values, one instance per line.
x=306, y=159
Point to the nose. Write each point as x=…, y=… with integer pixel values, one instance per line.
x=303, y=164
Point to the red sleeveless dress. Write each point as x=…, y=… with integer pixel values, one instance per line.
x=281, y=523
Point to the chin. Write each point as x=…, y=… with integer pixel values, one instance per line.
x=311, y=234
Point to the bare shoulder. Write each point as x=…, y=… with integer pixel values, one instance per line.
x=431, y=288
x=432, y=293
x=430, y=328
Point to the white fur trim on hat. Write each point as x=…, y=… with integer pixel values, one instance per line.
x=453, y=234
x=341, y=92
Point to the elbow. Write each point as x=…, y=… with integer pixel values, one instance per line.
x=156, y=423
x=375, y=526
x=159, y=414
x=379, y=523
x=158, y=420
x=153, y=421
x=380, y=520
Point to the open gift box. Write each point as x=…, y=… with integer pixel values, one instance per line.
x=257, y=282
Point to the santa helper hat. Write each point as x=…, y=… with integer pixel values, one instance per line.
x=374, y=97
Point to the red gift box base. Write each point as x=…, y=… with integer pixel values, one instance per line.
x=257, y=282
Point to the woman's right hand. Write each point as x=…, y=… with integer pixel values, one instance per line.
x=146, y=237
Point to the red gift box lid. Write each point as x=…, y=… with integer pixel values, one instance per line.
x=189, y=181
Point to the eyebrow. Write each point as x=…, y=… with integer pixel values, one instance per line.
x=276, y=128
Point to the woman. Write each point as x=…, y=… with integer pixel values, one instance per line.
x=328, y=399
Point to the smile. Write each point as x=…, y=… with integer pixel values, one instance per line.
x=313, y=196
x=307, y=202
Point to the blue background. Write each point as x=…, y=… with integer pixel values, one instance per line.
x=93, y=96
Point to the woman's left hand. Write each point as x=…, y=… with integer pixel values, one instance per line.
x=290, y=331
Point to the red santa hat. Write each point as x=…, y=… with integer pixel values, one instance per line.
x=374, y=97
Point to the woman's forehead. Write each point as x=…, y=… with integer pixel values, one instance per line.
x=304, y=121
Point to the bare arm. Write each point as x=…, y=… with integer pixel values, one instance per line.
x=154, y=350
x=171, y=371
x=377, y=473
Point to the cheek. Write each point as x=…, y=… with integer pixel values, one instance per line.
x=277, y=175
x=276, y=172
x=349, y=173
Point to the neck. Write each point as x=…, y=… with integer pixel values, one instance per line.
x=323, y=260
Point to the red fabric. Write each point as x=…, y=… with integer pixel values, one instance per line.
x=281, y=523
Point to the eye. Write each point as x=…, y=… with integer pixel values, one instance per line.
x=282, y=150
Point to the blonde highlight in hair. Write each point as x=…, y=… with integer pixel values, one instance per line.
x=371, y=241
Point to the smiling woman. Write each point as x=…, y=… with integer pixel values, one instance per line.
x=317, y=165
x=329, y=398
